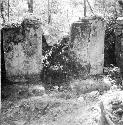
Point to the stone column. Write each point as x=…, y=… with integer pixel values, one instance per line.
x=87, y=43
x=96, y=45
x=24, y=60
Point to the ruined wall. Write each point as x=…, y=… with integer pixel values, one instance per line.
x=87, y=42
x=23, y=51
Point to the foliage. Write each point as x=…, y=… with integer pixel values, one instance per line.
x=62, y=13
x=114, y=76
x=59, y=66
x=109, y=32
x=108, y=8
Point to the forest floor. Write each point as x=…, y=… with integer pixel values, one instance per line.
x=31, y=105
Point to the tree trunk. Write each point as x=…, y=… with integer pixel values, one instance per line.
x=30, y=6
x=8, y=10
x=84, y=8
x=2, y=11
x=49, y=16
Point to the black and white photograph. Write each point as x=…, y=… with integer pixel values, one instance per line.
x=61, y=62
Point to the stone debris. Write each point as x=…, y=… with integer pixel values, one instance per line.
x=111, y=106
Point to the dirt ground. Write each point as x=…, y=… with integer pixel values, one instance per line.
x=31, y=105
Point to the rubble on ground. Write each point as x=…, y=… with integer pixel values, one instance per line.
x=112, y=108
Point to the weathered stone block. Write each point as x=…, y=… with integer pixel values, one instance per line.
x=96, y=45
x=87, y=42
x=23, y=50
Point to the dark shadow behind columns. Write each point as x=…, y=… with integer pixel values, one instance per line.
x=3, y=69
